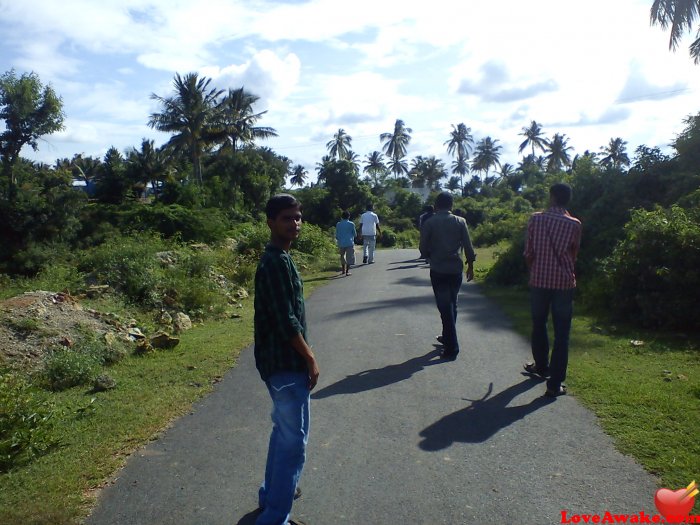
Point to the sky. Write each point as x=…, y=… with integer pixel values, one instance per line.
x=593, y=70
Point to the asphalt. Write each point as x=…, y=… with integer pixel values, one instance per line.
x=398, y=435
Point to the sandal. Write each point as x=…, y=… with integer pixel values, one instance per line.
x=531, y=369
x=556, y=393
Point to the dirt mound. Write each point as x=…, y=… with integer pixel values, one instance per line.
x=32, y=323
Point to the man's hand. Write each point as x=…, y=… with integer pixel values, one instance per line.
x=313, y=373
x=470, y=271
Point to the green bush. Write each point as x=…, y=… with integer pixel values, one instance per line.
x=408, y=239
x=25, y=422
x=388, y=237
x=510, y=268
x=68, y=367
x=314, y=241
x=653, y=272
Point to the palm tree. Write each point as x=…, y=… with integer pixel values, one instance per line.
x=615, y=154
x=459, y=146
x=150, y=164
x=533, y=137
x=190, y=116
x=558, y=153
x=374, y=166
x=395, y=146
x=454, y=184
x=298, y=175
x=322, y=166
x=340, y=145
x=237, y=120
x=680, y=16
x=486, y=155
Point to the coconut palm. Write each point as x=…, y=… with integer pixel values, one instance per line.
x=149, y=165
x=459, y=146
x=486, y=155
x=395, y=146
x=237, y=120
x=615, y=154
x=533, y=138
x=190, y=115
x=298, y=177
x=454, y=184
x=679, y=15
x=558, y=153
x=339, y=147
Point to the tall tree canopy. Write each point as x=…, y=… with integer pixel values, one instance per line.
x=679, y=15
x=339, y=147
x=395, y=145
x=30, y=110
x=534, y=138
x=237, y=121
x=191, y=116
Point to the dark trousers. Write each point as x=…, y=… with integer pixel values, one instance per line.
x=560, y=302
x=446, y=288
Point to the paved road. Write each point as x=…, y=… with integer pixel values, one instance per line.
x=398, y=436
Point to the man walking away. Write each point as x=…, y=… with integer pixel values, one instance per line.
x=284, y=360
x=442, y=238
x=369, y=228
x=345, y=237
x=553, y=240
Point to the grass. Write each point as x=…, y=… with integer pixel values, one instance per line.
x=646, y=397
x=97, y=432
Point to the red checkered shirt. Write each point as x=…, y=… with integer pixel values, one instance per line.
x=553, y=239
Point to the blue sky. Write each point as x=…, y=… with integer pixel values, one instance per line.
x=593, y=70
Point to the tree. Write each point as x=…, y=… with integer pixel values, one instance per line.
x=454, y=184
x=395, y=147
x=30, y=110
x=237, y=120
x=339, y=147
x=533, y=138
x=428, y=171
x=459, y=146
x=558, y=153
x=375, y=167
x=615, y=154
x=486, y=155
x=191, y=115
x=679, y=15
x=149, y=165
x=299, y=174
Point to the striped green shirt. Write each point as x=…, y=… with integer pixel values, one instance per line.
x=279, y=313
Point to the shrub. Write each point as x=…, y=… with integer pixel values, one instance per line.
x=25, y=422
x=388, y=237
x=652, y=271
x=314, y=241
x=408, y=239
x=510, y=268
x=68, y=367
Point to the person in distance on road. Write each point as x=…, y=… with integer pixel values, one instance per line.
x=345, y=237
x=442, y=238
x=369, y=229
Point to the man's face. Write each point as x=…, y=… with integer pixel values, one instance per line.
x=287, y=225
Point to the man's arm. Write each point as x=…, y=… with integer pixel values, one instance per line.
x=304, y=350
x=469, y=254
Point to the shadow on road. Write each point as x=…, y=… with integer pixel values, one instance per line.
x=481, y=419
x=379, y=377
x=249, y=519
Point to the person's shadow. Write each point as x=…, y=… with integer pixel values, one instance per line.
x=379, y=377
x=249, y=519
x=481, y=419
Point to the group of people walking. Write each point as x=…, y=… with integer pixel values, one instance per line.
x=288, y=366
x=346, y=233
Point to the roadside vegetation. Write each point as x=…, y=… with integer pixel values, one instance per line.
x=152, y=236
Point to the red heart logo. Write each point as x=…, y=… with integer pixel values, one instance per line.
x=673, y=503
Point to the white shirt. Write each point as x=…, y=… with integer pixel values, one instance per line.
x=369, y=221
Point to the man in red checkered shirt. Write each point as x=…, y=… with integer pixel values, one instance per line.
x=553, y=239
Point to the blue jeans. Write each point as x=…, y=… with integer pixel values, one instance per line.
x=446, y=288
x=287, y=450
x=561, y=304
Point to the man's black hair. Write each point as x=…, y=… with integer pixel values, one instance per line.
x=370, y=206
x=428, y=208
x=345, y=214
x=280, y=202
x=561, y=193
x=444, y=201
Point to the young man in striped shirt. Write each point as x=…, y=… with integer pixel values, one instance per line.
x=284, y=360
x=553, y=239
